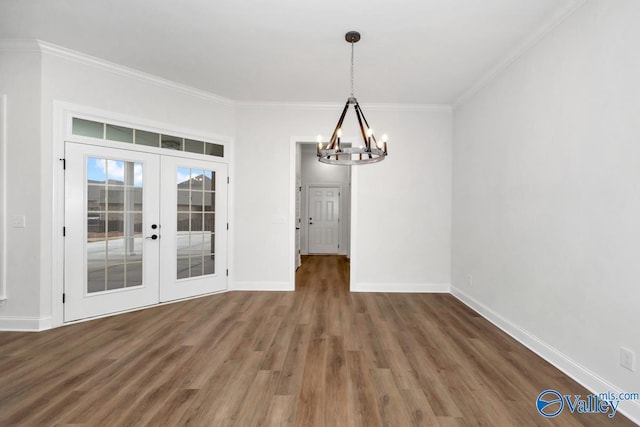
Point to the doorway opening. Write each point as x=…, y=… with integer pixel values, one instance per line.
x=323, y=208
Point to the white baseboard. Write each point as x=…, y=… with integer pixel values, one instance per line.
x=405, y=288
x=261, y=286
x=588, y=379
x=25, y=324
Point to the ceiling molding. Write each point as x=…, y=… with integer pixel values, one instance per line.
x=38, y=46
x=520, y=50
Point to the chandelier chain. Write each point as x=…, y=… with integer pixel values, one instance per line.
x=352, y=69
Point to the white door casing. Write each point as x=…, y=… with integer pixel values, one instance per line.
x=324, y=219
x=298, y=191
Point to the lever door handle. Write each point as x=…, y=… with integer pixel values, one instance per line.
x=153, y=237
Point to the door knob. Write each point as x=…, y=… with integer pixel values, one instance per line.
x=154, y=226
x=153, y=237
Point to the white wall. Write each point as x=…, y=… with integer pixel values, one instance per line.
x=314, y=173
x=403, y=206
x=402, y=225
x=546, y=196
x=20, y=81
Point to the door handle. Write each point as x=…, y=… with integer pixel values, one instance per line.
x=153, y=237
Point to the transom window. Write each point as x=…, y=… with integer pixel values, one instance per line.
x=110, y=132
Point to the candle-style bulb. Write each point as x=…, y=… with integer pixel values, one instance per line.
x=339, y=133
x=369, y=132
x=384, y=137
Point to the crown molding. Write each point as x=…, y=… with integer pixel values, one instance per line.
x=62, y=52
x=39, y=46
x=532, y=40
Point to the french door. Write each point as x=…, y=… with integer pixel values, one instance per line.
x=140, y=229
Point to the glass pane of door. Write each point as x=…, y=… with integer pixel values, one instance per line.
x=114, y=224
x=195, y=227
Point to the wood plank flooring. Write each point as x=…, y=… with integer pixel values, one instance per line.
x=320, y=356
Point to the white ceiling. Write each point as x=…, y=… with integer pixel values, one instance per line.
x=412, y=51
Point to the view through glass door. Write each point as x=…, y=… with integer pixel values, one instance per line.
x=140, y=229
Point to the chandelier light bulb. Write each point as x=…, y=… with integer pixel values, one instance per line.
x=339, y=133
x=384, y=137
x=369, y=132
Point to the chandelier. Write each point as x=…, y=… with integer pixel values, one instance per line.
x=371, y=150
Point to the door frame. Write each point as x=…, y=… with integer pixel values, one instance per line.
x=298, y=222
x=353, y=206
x=63, y=112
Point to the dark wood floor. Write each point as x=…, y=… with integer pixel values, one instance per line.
x=318, y=356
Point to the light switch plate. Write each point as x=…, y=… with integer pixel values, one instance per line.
x=18, y=221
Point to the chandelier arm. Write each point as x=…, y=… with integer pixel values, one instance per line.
x=373, y=137
x=362, y=131
x=334, y=135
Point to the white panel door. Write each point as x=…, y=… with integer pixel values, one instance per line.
x=111, y=209
x=194, y=228
x=324, y=220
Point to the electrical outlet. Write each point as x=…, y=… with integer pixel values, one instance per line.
x=627, y=359
x=469, y=279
